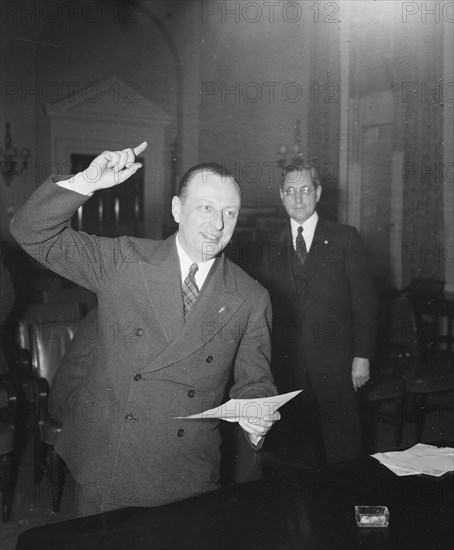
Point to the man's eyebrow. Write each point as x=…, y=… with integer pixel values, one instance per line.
x=203, y=199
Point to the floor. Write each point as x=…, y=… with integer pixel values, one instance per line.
x=32, y=504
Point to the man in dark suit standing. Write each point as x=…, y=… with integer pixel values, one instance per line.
x=175, y=319
x=324, y=309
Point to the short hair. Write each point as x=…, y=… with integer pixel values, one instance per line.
x=301, y=168
x=208, y=168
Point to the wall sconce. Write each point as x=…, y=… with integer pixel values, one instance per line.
x=10, y=163
x=296, y=155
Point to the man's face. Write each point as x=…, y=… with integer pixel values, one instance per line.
x=299, y=196
x=207, y=215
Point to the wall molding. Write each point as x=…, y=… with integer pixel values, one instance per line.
x=77, y=124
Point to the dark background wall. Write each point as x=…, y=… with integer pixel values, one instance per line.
x=235, y=77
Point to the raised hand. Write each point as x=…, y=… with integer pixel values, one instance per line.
x=108, y=169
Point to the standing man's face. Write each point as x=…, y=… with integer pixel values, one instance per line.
x=299, y=196
x=207, y=215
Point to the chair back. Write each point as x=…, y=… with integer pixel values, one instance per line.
x=43, y=313
x=434, y=317
x=49, y=342
x=403, y=328
x=8, y=400
x=8, y=418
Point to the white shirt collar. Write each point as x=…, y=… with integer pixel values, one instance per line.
x=186, y=262
x=308, y=229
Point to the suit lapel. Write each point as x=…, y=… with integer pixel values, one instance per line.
x=287, y=256
x=217, y=302
x=320, y=249
x=162, y=278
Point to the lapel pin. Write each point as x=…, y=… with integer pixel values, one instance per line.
x=326, y=242
x=222, y=309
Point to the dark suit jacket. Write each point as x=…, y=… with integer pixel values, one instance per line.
x=77, y=362
x=121, y=437
x=331, y=317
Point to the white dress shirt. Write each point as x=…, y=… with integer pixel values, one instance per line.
x=308, y=230
x=186, y=262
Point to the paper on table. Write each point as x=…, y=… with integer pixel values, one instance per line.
x=419, y=459
x=235, y=409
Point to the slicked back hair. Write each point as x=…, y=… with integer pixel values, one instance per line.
x=290, y=168
x=207, y=168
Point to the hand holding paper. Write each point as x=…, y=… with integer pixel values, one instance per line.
x=255, y=416
x=257, y=428
x=248, y=409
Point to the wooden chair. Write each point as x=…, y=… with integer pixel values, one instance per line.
x=428, y=370
x=423, y=385
x=44, y=313
x=8, y=417
x=381, y=399
x=44, y=333
x=63, y=357
x=27, y=365
x=49, y=342
x=427, y=299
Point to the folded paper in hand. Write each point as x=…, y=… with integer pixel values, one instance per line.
x=236, y=409
x=419, y=459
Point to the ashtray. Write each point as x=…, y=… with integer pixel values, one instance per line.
x=372, y=516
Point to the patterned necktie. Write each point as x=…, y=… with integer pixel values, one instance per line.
x=190, y=289
x=301, y=250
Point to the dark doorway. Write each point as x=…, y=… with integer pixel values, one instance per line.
x=111, y=212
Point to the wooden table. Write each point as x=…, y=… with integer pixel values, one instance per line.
x=302, y=511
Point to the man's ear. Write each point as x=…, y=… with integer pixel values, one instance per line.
x=318, y=192
x=176, y=209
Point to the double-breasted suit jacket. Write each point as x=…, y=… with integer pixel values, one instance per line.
x=121, y=439
x=324, y=314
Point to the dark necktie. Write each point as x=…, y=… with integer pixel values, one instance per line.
x=190, y=289
x=301, y=250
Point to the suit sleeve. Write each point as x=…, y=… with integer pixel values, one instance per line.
x=362, y=296
x=252, y=372
x=42, y=228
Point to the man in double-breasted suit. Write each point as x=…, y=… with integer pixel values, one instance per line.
x=169, y=335
x=324, y=309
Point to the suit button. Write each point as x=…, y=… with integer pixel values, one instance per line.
x=209, y=359
x=137, y=377
x=128, y=417
x=191, y=393
x=138, y=332
x=180, y=432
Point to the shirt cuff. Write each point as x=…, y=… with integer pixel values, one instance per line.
x=66, y=184
x=254, y=441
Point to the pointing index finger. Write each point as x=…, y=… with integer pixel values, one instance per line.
x=140, y=148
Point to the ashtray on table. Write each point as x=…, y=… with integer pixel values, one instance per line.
x=372, y=516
